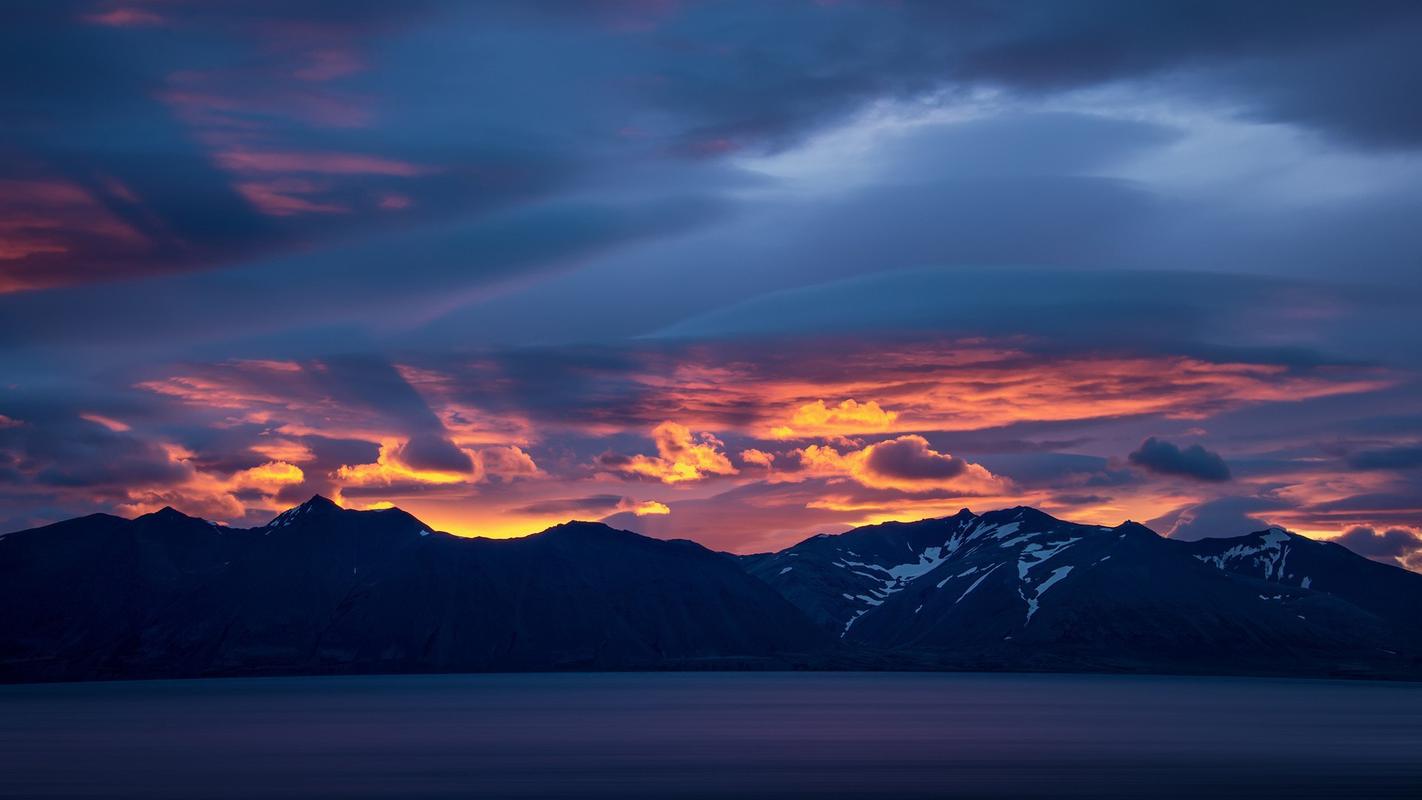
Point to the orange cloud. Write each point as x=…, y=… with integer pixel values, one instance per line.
x=916, y=388
x=388, y=469
x=758, y=458
x=681, y=456
x=212, y=392
x=906, y=463
x=504, y=463
x=271, y=475
x=645, y=508
x=849, y=417
x=213, y=496
x=284, y=450
x=962, y=386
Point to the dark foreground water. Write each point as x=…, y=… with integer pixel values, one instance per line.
x=751, y=735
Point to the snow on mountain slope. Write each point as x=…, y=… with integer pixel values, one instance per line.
x=1289, y=560
x=1020, y=588
x=839, y=579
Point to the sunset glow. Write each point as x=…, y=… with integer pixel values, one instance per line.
x=895, y=274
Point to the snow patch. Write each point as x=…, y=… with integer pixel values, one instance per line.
x=1269, y=556
x=1034, y=602
x=975, y=585
x=1006, y=530
x=851, y=621
x=1034, y=555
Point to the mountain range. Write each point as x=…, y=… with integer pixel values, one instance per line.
x=326, y=590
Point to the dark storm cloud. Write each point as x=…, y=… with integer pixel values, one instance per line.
x=1166, y=458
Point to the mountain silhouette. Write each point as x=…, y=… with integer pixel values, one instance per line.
x=325, y=590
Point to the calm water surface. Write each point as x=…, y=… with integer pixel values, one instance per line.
x=750, y=735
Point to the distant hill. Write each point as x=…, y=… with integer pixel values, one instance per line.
x=321, y=589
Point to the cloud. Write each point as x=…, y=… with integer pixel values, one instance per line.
x=390, y=468
x=1221, y=517
x=848, y=417
x=433, y=453
x=596, y=506
x=647, y=508
x=910, y=458
x=1400, y=547
x=758, y=458
x=505, y=464
x=305, y=189
x=681, y=456
x=906, y=463
x=1194, y=462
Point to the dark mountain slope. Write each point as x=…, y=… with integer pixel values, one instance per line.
x=322, y=589
x=1290, y=561
x=1018, y=589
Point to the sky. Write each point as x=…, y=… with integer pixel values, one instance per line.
x=733, y=272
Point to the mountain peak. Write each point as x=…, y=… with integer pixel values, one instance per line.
x=166, y=514
x=577, y=526
x=317, y=505
x=1275, y=535
x=1025, y=515
x=320, y=502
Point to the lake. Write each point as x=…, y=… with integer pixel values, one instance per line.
x=753, y=734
